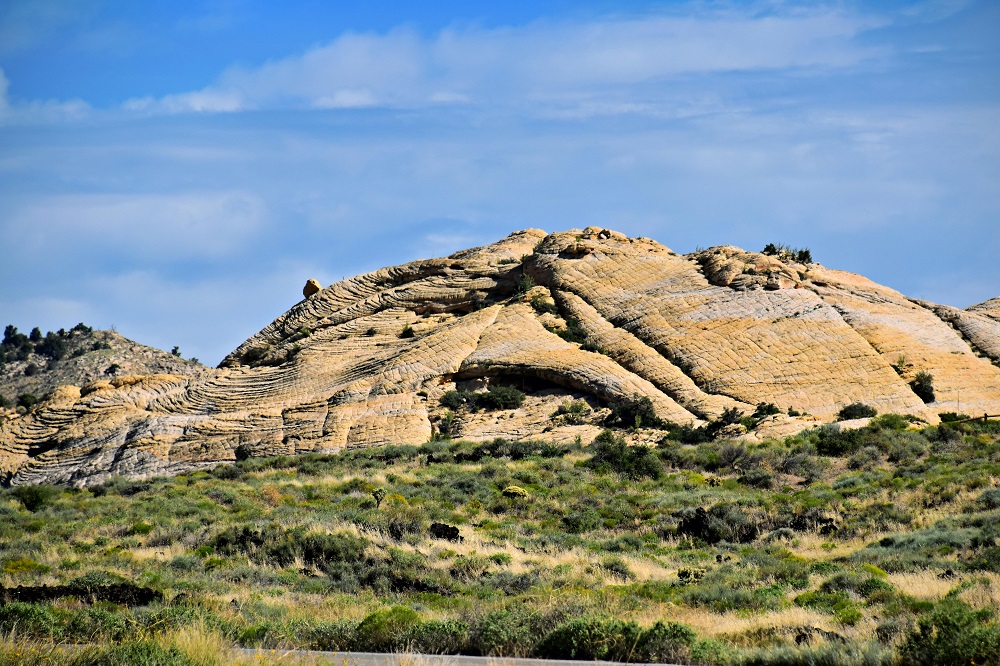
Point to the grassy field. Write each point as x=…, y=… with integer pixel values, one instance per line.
x=874, y=546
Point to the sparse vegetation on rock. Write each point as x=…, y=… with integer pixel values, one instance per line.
x=803, y=256
x=923, y=386
x=856, y=410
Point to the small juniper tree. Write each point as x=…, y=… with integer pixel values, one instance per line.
x=923, y=386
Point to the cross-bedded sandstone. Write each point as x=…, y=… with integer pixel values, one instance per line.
x=365, y=361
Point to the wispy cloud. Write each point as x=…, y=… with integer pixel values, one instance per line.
x=37, y=112
x=142, y=227
x=542, y=61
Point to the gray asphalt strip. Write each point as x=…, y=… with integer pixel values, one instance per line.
x=407, y=659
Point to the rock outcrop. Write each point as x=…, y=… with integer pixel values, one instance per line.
x=590, y=315
x=88, y=356
x=312, y=287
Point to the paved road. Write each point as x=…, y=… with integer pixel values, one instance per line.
x=378, y=659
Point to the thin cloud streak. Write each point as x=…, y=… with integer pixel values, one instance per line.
x=141, y=227
x=541, y=61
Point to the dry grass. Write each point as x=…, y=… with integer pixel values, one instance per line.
x=15, y=650
x=811, y=545
x=708, y=623
x=924, y=585
x=984, y=592
x=204, y=646
x=982, y=589
x=161, y=553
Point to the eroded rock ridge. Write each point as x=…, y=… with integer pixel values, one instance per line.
x=590, y=315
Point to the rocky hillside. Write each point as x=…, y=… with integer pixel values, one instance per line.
x=33, y=365
x=580, y=322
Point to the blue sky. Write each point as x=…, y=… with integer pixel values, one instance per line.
x=177, y=170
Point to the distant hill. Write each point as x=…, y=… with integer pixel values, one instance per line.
x=34, y=364
x=538, y=335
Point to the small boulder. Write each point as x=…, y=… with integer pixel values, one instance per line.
x=312, y=287
x=445, y=531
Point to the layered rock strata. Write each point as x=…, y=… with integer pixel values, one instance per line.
x=588, y=315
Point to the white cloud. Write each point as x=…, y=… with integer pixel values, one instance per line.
x=36, y=112
x=541, y=61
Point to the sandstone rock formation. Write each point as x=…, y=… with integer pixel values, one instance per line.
x=589, y=315
x=312, y=287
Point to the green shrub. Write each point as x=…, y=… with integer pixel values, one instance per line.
x=34, y=498
x=765, y=409
x=618, y=567
x=827, y=654
x=865, y=586
x=523, y=285
x=386, y=630
x=923, y=386
x=889, y=422
x=36, y=620
x=572, y=333
x=831, y=440
x=757, y=478
x=140, y=529
x=989, y=499
x=665, y=642
x=146, y=651
x=336, y=636
x=273, y=545
x=439, y=637
x=986, y=560
x=722, y=522
x=23, y=565
x=952, y=634
x=590, y=639
x=856, y=410
x=27, y=400
x=723, y=596
x=786, y=253
x=455, y=400
x=502, y=633
x=53, y=347
x=573, y=412
x=582, y=520
x=634, y=412
x=541, y=304
x=498, y=396
x=611, y=453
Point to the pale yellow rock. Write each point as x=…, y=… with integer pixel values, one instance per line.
x=312, y=287
x=366, y=360
x=990, y=308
